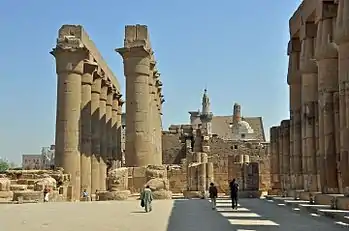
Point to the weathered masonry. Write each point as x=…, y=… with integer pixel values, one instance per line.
x=310, y=151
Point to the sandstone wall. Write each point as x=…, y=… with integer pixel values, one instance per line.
x=172, y=148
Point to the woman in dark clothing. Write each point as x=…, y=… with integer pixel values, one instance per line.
x=213, y=195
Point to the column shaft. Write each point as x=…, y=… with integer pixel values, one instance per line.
x=103, y=135
x=95, y=128
x=114, y=125
x=86, y=145
x=138, y=142
x=120, y=142
x=109, y=126
x=342, y=40
x=70, y=67
x=308, y=69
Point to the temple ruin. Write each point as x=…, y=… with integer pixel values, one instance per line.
x=309, y=150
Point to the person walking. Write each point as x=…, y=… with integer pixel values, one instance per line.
x=234, y=189
x=213, y=195
x=146, y=199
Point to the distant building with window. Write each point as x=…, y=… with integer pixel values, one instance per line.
x=45, y=160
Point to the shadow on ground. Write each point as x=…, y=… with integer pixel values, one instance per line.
x=196, y=214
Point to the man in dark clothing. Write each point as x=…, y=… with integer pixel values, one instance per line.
x=213, y=195
x=234, y=189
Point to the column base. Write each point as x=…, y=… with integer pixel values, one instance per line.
x=327, y=199
x=306, y=196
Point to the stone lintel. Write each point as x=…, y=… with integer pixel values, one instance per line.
x=137, y=51
x=294, y=45
x=325, y=10
x=308, y=30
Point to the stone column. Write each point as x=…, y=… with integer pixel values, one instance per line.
x=209, y=172
x=157, y=118
x=285, y=126
x=308, y=70
x=86, y=119
x=275, y=175
x=115, y=126
x=136, y=68
x=95, y=129
x=151, y=112
x=342, y=41
x=327, y=60
x=120, y=141
x=294, y=81
x=281, y=164
x=103, y=135
x=109, y=126
x=69, y=68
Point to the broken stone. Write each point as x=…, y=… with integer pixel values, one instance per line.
x=28, y=195
x=5, y=184
x=114, y=195
x=45, y=182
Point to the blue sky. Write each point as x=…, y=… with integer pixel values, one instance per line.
x=235, y=48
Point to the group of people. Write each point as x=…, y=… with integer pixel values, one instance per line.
x=147, y=196
x=234, y=189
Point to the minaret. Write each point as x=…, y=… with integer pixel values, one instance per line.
x=206, y=115
x=236, y=114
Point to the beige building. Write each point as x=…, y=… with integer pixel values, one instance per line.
x=31, y=161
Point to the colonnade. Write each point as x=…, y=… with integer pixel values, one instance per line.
x=89, y=108
x=319, y=107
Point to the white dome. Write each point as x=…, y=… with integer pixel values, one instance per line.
x=244, y=127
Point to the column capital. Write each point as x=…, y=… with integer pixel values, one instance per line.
x=69, y=60
x=325, y=10
x=294, y=46
x=117, y=95
x=342, y=23
x=135, y=51
x=162, y=101
x=158, y=83
x=104, y=90
x=121, y=102
x=89, y=68
x=110, y=94
x=307, y=30
x=152, y=64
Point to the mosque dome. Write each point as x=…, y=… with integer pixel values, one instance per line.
x=244, y=127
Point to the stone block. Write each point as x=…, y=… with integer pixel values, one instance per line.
x=118, y=179
x=45, y=182
x=137, y=172
x=18, y=187
x=158, y=184
x=342, y=203
x=155, y=171
x=326, y=199
x=6, y=195
x=162, y=195
x=193, y=194
x=5, y=184
x=28, y=195
x=307, y=195
x=114, y=195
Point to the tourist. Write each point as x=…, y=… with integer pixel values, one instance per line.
x=85, y=195
x=234, y=189
x=46, y=194
x=213, y=195
x=146, y=199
